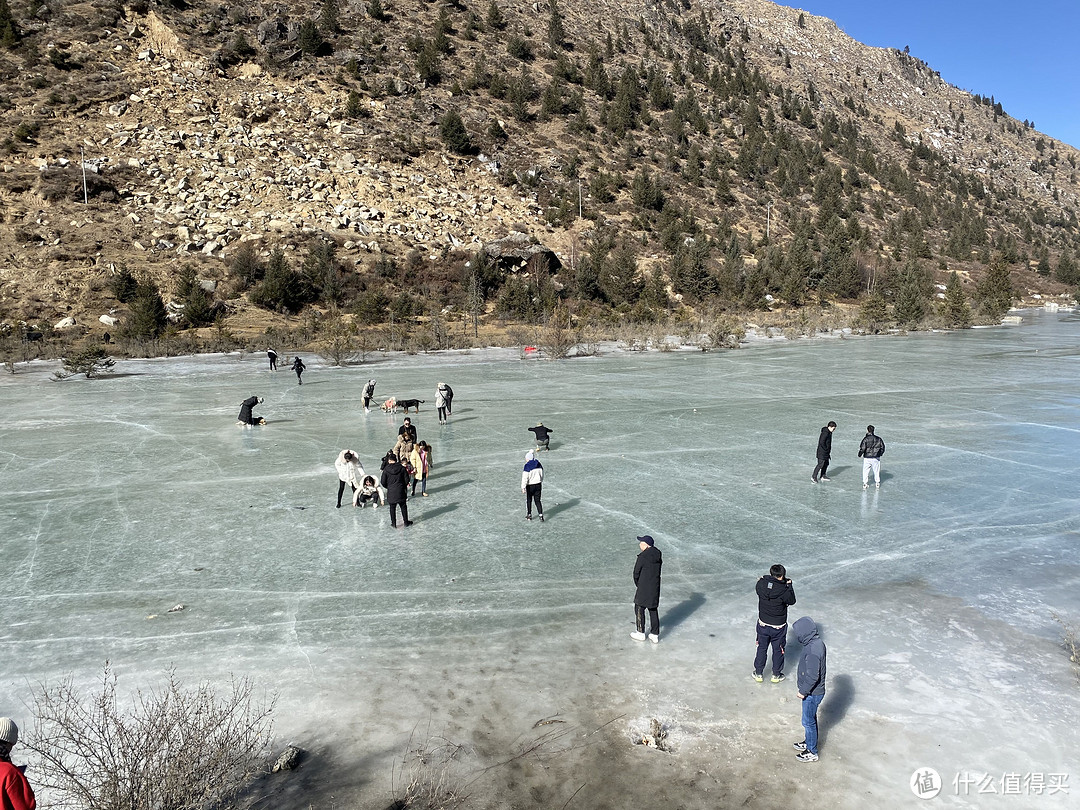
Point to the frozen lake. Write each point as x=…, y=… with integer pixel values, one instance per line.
x=122, y=497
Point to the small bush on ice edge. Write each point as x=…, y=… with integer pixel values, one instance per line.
x=1072, y=641
x=172, y=748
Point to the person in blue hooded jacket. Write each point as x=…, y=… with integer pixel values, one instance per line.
x=532, y=484
x=811, y=684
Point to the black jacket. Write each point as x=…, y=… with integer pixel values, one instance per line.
x=245, y=410
x=394, y=480
x=411, y=430
x=774, y=596
x=871, y=446
x=824, y=444
x=542, y=433
x=647, y=578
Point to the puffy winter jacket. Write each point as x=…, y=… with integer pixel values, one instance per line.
x=871, y=447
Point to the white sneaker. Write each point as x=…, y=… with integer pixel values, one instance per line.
x=655, y=639
x=877, y=486
x=864, y=486
x=637, y=636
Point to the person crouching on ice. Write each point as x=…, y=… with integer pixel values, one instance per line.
x=369, y=492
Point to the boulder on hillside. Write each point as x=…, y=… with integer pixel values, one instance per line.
x=517, y=250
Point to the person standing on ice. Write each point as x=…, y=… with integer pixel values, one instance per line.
x=811, y=685
x=449, y=399
x=647, y=596
x=407, y=427
x=824, y=453
x=15, y=790
x=246, y=417
x=270, y=353
x=299, y=367
x=369, y=392
x=395, y=480
x=871, y=449
x=775, y=593
x=349, y=472
x=543, y=436
x=441, y=401
x=532, y=484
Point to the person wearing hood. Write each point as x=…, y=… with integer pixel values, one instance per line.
x=449, y=399
x=775, y=593
x=871, y=449
x=246, y=417
x=647, y=595
x=15, y=790
x=395, y=481
x=543, y=436
x=441, y=402
x=369, y=392
x=811, y=684
x=824, y=453
x=369, y=492
x=349, y=472
x=532, y=484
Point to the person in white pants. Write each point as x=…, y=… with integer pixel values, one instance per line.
x=871, y=449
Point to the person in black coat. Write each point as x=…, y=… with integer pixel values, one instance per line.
x=246, y=417
x=543, y=436
x=369, y=392
x=299, y=367
x=449, y=399
x=647, y=597
x=824, y=453
x=407, y=427
x=395, y=481
x=775, y=594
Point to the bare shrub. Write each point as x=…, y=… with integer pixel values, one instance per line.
x=557, y=337
x=724, y=332
x=338, y=344
x=590, y=337
x=429, y=777
x=173, y=749
x=1071, y=641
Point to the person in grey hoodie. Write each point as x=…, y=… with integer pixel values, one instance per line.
x=811, y=684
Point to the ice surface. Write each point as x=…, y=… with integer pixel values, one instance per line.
x=122, y=497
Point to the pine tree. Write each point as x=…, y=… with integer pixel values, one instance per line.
x=329, y=17
x=148, y=313
x=308, y=37
x=556, y=30
x=281, y=289
x=495, y=18
x=994, y=294
x=1066, y=271
x=454, y=135
x=955, y=307
x=912, y=294
x=9, y=30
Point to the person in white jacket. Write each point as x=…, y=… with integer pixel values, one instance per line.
x=369, y=491
x=532, y=483
x=349, y=472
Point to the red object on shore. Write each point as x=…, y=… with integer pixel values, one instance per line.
x=530, y=349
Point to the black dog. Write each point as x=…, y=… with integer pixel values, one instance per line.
x=410, y=403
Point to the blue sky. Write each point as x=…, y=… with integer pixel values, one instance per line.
x=1024, y=54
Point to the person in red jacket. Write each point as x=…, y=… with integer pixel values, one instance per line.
x=15, y=792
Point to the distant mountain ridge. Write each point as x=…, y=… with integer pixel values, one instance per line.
x=732, y=155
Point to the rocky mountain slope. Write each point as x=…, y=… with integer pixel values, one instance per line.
x=741, y=125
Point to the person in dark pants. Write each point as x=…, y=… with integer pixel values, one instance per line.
x=824, y=452
x=395, y=480
x=299, y=367
x=441, y=402
x=449, y=399
x=811, y=685
x=369, y=392
x=542, y=436
x=647, y=596
x=775, y=593
x=532, y=484
x=273, y=359
x=349, y=472
x=246, y=417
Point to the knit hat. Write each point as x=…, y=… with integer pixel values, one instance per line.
x=9, y=732
x=646, y=539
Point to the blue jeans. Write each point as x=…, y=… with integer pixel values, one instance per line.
x=809, y=720
x=775, y=636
